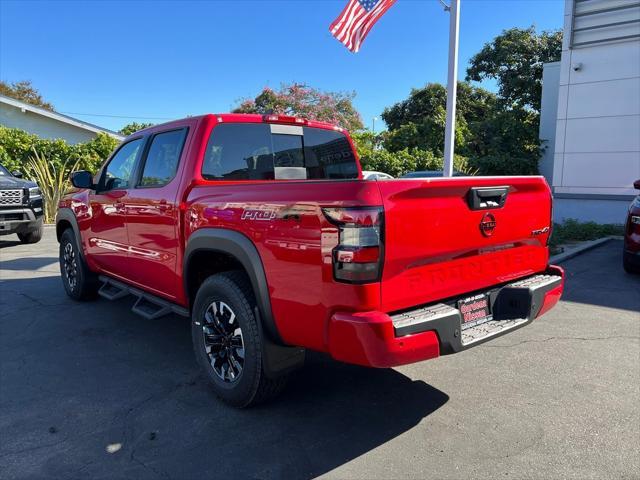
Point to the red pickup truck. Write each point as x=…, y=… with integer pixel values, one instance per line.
x=262, y=231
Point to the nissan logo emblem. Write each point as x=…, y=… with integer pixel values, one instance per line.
x=487, y=224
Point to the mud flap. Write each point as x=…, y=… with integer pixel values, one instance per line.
x=278, y=360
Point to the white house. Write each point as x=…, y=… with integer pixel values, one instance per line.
x=48, y=124
x=590, y=118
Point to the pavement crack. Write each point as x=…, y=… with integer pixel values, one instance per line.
x=548, y=339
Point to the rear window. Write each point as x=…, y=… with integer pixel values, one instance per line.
x=261, y=151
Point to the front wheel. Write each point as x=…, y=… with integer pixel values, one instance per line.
x=32, y=236
x=79, y=282
x=227, y=341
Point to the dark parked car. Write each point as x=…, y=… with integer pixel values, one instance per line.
x=430, y=174
x=20, y=207
x=631, y=256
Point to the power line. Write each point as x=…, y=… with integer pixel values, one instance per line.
x=117, y=116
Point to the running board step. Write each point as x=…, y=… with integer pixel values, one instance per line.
x=150, y=310
x=147, y=305
x=111, y=291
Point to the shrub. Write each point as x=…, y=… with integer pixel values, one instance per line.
x=405, y=161
x=17, y=147
x=574, y=230
x=504, y=165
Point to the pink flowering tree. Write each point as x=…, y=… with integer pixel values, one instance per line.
x=303, y=101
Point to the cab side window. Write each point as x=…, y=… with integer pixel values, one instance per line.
x=117, y=174
x=162, y=160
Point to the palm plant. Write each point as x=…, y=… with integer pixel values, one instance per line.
x=53, y=182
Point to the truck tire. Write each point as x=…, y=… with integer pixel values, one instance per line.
x=628, y=265
x=33, y=236
x=79, y=282
x=227, y=341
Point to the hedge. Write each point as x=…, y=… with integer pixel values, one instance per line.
x=17, y=147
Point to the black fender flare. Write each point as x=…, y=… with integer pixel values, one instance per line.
x=240, y=247
x=278, y=358
x=66, y=214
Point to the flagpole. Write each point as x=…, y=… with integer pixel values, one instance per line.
x=452, y=88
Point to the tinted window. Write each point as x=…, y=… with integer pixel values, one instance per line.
x=251, y=152
x=328, y=154
x=163, y=157
x=118, y=173
x=239, y=152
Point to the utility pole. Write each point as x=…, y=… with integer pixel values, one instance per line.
x=373, y=124
x=452, y=87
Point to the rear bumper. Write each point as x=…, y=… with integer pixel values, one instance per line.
x=377, y=339
x=632, y=257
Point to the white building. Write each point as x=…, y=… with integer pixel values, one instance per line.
x=590, y=117
x=47, y=124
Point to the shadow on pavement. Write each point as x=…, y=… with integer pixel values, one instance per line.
x=585, y=282
x=27, y=264
x=5, y=242
x=102, y=376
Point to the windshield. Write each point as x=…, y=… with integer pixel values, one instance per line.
x=4, y=172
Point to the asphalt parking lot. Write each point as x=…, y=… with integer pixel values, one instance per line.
x=93, y=391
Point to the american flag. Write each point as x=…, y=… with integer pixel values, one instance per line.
x=353, y=24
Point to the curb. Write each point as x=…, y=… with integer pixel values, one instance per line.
x=563, y=257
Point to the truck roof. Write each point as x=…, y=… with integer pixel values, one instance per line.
x=249, y=118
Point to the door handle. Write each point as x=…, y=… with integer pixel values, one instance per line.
x=480, y=198
x=119, y=206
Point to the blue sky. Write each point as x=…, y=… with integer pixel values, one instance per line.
x=169, y=59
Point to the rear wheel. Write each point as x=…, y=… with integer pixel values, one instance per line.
x=227, y=341
x=79, y=282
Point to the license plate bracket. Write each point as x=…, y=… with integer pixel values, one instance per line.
x=474, y=310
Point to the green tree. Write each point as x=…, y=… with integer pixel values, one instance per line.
x=25, y=92
x=419, y=121
x=307, y=102
x=515, y=60
x=431, y=100
x=133, y=127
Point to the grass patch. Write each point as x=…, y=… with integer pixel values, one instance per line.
x=574, y=231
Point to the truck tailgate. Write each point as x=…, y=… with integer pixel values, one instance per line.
x=447, y=237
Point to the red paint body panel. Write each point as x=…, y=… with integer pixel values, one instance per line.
x=368, y=339
x=296, y=254
x=552, y=297
x=432, y=247
x=632, y=229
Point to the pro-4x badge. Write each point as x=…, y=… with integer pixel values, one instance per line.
x=258, y=214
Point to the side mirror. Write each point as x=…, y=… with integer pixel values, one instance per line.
x=82, y=179
x=17, y=174
x=636, y=184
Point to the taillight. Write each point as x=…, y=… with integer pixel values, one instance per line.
x=358, y=257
